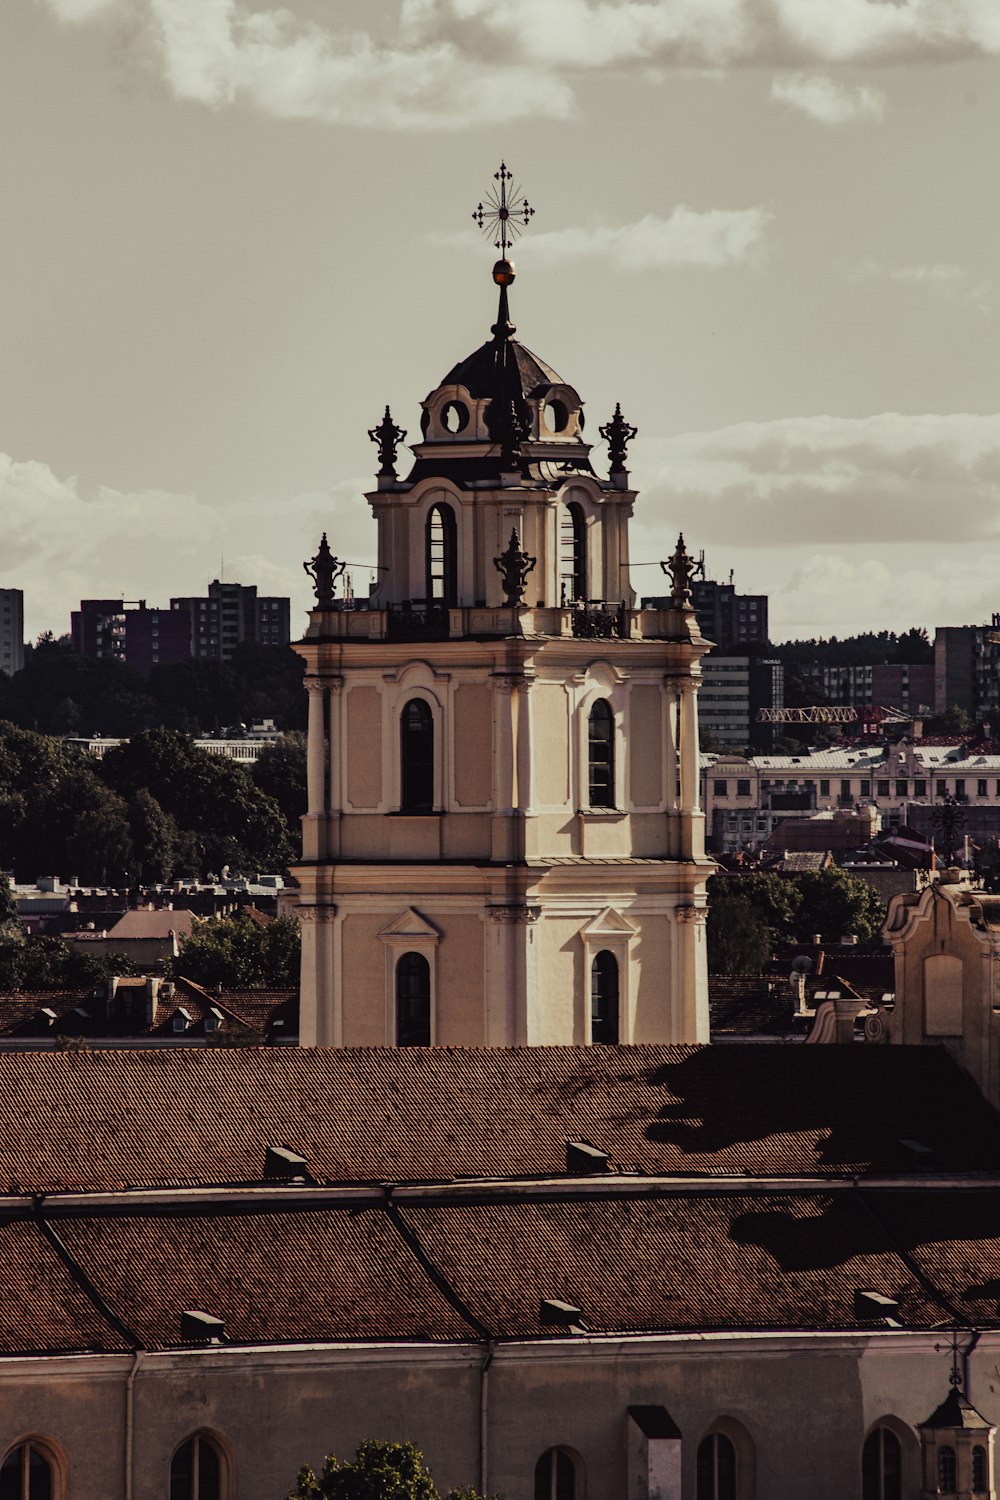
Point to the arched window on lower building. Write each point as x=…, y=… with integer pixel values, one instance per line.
x=198, y=1470
x=28, y=1473
x=413, y=1001
x=882, y=1466
x=416, y=757
x=717, y=1468
x=980, y=1478
x=601, y=754
x=604, y=999
x=947, y=1471
x=557, y=1476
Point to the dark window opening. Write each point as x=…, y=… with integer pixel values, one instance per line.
x=602, y=755
x=26, y=1474
x=555, y=1476
x=881, y=1466
x=413, y=1001
x=716, y=1468
x=196, y=1471
x=947, y=1472
x=442, y=574
x=979, y=1481
x=572, y=554
x=604, y=1000
x=416, y=757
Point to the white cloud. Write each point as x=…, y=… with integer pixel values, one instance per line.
x=828, y=594
x=936, y=275
x=717, y=237
x=451, y=63
x=827, y=100
x=808, y=481
x=59, y=542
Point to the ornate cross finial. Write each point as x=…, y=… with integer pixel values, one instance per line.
x=388, y=437
x=680, y=571
x=324, y=569
x=514, y=567
x=617, y=434
x=505, y=213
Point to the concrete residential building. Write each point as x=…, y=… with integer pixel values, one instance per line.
x=129, y=632
x=967, y=668
x=231, y=613
x=11, y=631
x=733, y=622
x=734, y=689
x=504, y=843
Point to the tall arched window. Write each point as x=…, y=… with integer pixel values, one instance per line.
x=413, y=1001
x=27, y=1474
x=881, y=1466
x=980, y=1480
x=572, y=553
x=717, y=1468
x=442, y=566
x=604, y=999
x=601, y=756
x=416, y=757
x=197, y=1471
x=555, y=1476
x=947, y=1471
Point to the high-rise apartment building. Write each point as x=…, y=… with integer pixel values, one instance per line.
x=231, y=613
x=11, y=631
x=731, y=621
x=129, y=631
x=967, y=668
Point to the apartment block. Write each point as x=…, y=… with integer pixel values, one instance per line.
x=11, y=631
x=131, y=632
x=231, y=613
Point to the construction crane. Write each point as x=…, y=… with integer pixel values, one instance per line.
x=823, y=713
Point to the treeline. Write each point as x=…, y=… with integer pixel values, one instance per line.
x=153, y=810
x=60, y=692
x=750, y=915
x=871, y=649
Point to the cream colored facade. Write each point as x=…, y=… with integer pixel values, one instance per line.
x=514, y=877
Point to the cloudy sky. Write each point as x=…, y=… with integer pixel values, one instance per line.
x=233, y=230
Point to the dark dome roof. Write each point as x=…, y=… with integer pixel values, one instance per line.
x=478, y=373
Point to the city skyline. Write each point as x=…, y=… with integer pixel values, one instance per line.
x=236, y=232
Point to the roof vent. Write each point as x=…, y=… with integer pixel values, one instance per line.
x=199, y=1327
x=562, y=1314
x=874, y=1307
x=282, y=1165
x=916, y=1154
x=582, y=1159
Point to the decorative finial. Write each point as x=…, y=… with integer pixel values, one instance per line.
x=680, y=571
x=324, y=569
x=514, y=567
x=505, y=214
x=388, y=437
x=618, y=434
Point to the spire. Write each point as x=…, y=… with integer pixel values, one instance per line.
x=505, y=215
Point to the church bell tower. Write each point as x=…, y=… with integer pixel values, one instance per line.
x=503, y=844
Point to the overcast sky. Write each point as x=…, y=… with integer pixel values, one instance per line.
x=232, y=231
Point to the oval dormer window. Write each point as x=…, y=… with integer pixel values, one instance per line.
x=455, y=416
x=556, y=416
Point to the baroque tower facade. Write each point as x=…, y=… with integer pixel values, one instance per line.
x=503, y=844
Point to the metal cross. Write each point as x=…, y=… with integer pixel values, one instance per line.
x=505, y=213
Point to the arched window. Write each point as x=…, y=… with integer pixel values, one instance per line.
x=980, y=1483
x=27, y=1474
x=197, y=1471
x=601, y=747
x=572, y=553
x=947, y=1471
x=881, y=1466
x=717, y=1468
x=555, y=1476
x=442, y=573
x=416, y=757
x=604, y=999
x=413, y=1001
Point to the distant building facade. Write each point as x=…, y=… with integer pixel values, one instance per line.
x=734, y=688
x=967, y=668
x=130, y=632
x=11, y=631
x=730, y=620
x=231, y=614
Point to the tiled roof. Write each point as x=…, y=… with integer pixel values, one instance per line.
x=109, y=1119
x=43, y=1309
x=161, y=923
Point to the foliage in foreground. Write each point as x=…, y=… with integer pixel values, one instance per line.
x=241, y=953
x=378, y=1471
x=749, y=915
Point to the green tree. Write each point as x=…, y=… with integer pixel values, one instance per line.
x=834, y=903
x=154, y=839
x=241, y=952
x=280, y=772
x=378, y=1471
x=739, y=942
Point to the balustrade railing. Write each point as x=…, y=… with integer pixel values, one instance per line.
x=597, y=617
x=416, y=621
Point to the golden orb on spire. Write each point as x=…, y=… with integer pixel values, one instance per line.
x=504, y=272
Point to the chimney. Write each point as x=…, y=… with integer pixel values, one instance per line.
x=199, y=1327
